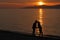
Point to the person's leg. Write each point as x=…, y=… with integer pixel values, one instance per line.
x=41, y=33
x=33, y=31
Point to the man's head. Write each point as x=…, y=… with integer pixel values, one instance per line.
x=36, y=21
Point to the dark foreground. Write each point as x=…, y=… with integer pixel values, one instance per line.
x=8, y=35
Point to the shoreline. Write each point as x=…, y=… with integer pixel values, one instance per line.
x=8, y=35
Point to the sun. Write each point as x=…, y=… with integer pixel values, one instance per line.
x=40, y=3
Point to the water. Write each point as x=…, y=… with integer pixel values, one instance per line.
x=21, y=20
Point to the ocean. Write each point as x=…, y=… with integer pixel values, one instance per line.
x=21, y=20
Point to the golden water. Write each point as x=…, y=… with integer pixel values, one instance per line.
x=40, y=20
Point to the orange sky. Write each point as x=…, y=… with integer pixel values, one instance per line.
x=52, y=3
x=4, y=4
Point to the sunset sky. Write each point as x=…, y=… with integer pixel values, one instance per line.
x=19, y=3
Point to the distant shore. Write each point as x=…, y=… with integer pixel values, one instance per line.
x=43, y=6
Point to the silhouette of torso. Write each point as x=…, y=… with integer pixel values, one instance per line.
x=34, y=25
x=39, y=26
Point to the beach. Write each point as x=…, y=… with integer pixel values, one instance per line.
x=9, y=35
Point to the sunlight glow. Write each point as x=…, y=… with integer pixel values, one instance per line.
x=41, y=3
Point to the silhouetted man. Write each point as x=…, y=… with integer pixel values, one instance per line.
x=34, y=26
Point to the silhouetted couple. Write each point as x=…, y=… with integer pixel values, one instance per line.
x=35, y=25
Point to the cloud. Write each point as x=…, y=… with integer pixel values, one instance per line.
x=18, y=0
x=51, y=0
x=29, y=0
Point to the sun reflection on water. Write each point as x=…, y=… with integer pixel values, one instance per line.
x=41, y=16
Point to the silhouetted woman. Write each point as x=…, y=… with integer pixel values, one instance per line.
x=40, y=29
